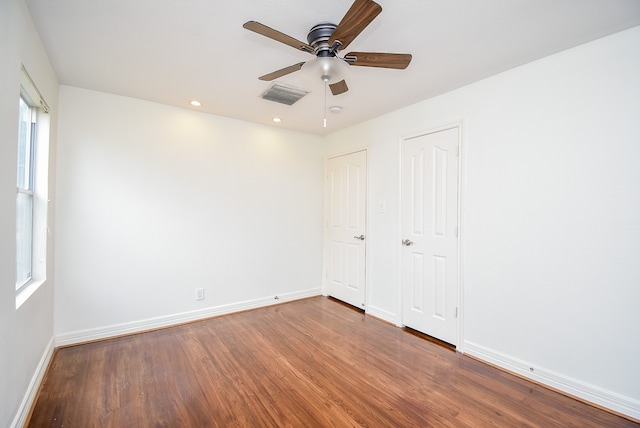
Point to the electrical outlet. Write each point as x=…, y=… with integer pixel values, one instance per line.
x=199, y=293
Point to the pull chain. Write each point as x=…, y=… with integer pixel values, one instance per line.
x=325, y=102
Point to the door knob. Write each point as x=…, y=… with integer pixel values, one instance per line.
x=361, y=237
x=407, y=242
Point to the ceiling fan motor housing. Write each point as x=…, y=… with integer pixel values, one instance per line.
x=318, y=39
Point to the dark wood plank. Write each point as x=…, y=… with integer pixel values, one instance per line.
x=312, y=362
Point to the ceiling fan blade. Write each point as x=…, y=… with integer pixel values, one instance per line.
x=378, y=59
x=282, y=72
x=339, y=87
x=262, y=29
x=359, y=15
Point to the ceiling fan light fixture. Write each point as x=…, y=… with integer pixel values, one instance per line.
x=329, y=69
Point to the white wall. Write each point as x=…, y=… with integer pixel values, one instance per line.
x=25, y=333
x=156, y=201
x=550, y=232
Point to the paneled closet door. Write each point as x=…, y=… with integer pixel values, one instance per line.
x=429, y=234
x=346, y=189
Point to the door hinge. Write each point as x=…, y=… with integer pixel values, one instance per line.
x=457, y=232
x=455, y=313
x=458, y=151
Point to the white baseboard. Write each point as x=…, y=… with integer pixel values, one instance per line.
x=591, y=393
x=32, y=390
x=76, y=337
x=387, y=316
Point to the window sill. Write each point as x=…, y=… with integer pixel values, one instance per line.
x=26, y=291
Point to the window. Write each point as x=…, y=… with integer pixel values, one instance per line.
x=25, y=187
x=31, y=190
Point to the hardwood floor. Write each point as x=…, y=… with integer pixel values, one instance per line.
x=309, y=363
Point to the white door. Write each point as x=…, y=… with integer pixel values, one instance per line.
x=429, y=234
x=346, y=216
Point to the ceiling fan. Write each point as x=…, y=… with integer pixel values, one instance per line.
x=326, y=40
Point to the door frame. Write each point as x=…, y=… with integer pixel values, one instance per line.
x=460, y=222
x=325, y=217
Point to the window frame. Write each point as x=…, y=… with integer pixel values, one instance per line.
x=25, y=186
x=37, y=190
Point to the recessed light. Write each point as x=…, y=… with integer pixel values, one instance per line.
x=196, y=103
x=277, y=120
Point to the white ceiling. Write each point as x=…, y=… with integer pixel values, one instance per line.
x=173, y=51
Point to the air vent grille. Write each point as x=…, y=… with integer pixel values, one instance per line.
x=283, y=94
